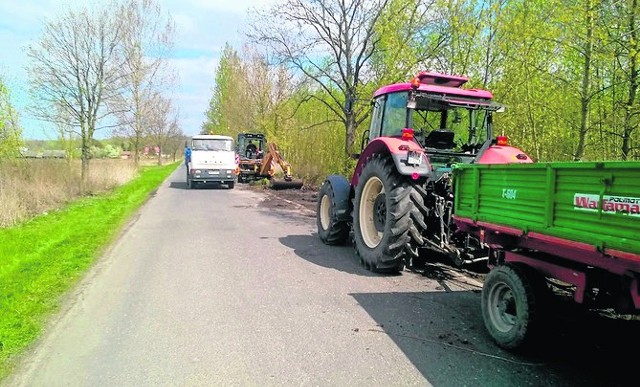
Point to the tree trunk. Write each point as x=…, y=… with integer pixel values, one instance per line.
x=350, y=127
x=86, y=154
x=136, y=149
x=628, y=126
x=586, y=82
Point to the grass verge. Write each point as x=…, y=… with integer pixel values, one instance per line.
x=43, y=258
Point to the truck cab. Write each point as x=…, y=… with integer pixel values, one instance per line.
x=212, y=159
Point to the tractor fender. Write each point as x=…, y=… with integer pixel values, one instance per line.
x=342, y=192
x=398, y=149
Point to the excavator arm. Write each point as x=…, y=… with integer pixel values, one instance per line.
x=272, y=159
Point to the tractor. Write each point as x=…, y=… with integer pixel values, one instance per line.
x=399, y=200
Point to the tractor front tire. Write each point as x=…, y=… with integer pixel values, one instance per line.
x=385, y=217
x=331, y=230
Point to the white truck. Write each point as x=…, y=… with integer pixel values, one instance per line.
x=211, y=159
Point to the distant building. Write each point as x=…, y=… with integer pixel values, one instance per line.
x=46, y=154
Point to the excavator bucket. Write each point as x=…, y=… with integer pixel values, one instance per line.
x=285, y=184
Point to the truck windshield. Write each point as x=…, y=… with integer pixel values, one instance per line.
x=212, y=145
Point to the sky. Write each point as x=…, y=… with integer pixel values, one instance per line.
x=202, y=29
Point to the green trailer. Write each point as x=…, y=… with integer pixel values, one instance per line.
x=576, y=224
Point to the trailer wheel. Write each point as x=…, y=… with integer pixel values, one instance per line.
x=331, y=230
x=510, y=305
x=385, y=234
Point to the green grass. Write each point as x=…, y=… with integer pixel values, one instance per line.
x=43, y=258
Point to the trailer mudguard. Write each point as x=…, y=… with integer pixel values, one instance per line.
x=342, y=192
x=399, y=150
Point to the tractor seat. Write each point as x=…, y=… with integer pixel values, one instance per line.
x=440, y=139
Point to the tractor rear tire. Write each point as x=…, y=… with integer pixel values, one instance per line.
x=331, y=230
x=385, y=216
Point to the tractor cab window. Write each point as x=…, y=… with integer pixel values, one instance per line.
x=376, y=118
x=395, y=114
x=447, y=126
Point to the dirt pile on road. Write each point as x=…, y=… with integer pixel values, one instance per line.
x=304, y=199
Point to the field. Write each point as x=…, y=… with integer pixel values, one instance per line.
x=35, y=186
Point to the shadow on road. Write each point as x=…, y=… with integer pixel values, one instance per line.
x=183, y=185
x=342, y=258
x=443, y=335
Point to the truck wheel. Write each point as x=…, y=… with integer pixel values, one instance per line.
x=330, y=230
x=231, y=184
x=384, y=217
x=511, y=297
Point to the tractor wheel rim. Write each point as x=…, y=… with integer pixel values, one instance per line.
x=370, y=234
x=502, y=307
x=325, y=216
x=380, y=212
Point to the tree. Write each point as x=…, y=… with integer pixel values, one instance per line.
x=76, y=65
x=162, y=123
x=410, y=38
x=331, y=43
x=147, y=37
x=626, y=38
x=230, y=106
x=10, y=132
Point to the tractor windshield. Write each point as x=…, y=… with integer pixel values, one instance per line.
x=212, y=145
x=450, y=125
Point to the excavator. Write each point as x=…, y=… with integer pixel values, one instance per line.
x=260, y=159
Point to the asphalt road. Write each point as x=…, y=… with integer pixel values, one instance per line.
x=210, y=287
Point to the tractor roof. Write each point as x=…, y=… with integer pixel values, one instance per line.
x=251, y=135
x=439, y=84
